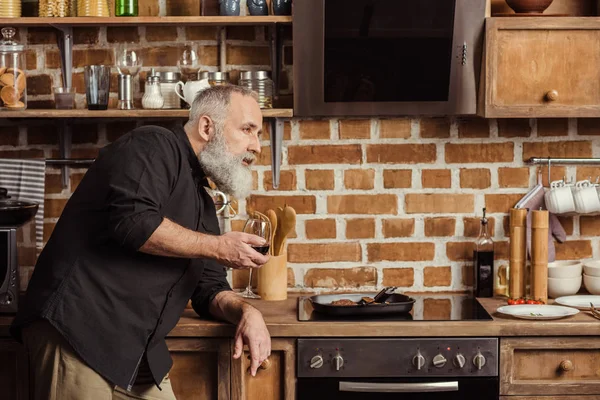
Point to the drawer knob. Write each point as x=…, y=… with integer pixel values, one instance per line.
x=566, y=366
x=552, y=95
x=264, y=365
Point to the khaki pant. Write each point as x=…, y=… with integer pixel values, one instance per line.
x=57, y=372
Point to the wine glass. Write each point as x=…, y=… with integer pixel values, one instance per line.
x=259, y=227
x=189, y=62
x=128, y=60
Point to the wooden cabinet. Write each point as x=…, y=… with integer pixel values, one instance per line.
x=541, y=67
x=550, y=366
x=549, y=397
x=14, y=382
x=201, y=368
x=277, y=381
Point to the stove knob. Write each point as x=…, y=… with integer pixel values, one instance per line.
x=338, y=361
x=479, y=360
x=316, y=362
x=418, y=361
x=439, y=361
x=459, y=360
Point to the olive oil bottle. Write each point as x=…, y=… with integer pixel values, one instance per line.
x=483, y=262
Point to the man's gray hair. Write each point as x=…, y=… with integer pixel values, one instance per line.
x=214, y=102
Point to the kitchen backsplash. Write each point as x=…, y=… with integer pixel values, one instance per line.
x=379, y=201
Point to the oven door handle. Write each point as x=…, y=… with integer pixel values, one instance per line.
x=374, y=387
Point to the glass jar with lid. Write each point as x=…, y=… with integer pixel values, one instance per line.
x=168, y=88
x=152, y=98
x=13, y=82
x=259, y=82
x=56, y=8
x=218, y=78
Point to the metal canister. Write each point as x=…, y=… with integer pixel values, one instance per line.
x=168, y=81
x=125, y=93
x=259, y=82
x=203, y=75
x=218, y=78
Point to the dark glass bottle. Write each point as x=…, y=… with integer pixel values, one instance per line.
x=126, y=8
x=483, y=262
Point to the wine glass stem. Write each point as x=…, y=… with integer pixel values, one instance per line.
x=249, y=288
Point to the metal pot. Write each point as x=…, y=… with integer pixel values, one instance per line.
x=15, y=212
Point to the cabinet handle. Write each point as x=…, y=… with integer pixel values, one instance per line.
x=264, y=365
x=566, y=365
x=552, y=95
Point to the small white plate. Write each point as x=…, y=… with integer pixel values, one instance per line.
x=537, y=311
x=579, y=302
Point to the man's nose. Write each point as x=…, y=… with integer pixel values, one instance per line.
x=254, y=145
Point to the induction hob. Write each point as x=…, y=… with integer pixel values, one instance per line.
x=427, y=307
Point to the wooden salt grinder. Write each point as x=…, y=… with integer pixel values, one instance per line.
x=518, y=246
x=539, y=255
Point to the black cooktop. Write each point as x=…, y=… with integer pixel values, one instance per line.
x=427, y=307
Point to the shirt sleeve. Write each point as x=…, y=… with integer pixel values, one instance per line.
x=212, y=282
x=141, y=174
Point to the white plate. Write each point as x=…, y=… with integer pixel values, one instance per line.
x=579, y=302
x=537, y=311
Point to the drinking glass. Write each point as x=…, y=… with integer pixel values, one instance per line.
x=97, y=86
x=128, y=60
x=189, y=62
x=259, y=227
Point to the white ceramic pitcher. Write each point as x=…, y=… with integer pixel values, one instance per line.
x=189, y=89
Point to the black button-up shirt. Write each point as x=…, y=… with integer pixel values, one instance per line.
x=112, y=303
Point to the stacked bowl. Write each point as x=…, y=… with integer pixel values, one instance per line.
x=591, y=276
x=564, y=278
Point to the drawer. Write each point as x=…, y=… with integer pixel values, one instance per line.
x=550, y=366
x=544, y=67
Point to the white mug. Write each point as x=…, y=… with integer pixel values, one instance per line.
x=559, y=199
x=586, y=197
x=190, y=89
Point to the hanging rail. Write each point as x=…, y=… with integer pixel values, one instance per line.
x=574, y=161
x=59, y=162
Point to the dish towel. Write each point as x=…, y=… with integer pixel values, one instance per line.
x=25, y=179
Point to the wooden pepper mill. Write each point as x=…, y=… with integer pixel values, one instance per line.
x=518, y=252
x=539, y=255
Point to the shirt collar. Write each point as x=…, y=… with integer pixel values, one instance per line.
x=195, y=167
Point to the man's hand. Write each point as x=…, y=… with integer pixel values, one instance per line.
x=235, y=250
x=253, y=332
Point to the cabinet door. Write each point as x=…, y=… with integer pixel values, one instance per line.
x=14, y=377
x=550, y=366
x=275, y=380
x=201, y=368
x=547, y=67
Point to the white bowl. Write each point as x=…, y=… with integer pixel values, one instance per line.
x=592, y=283
x=592, y=268
x=558, y=287
x=564, y=269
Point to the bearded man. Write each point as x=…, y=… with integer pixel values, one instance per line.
x=136, y=240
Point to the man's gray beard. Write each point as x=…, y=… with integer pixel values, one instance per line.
x=225, y=169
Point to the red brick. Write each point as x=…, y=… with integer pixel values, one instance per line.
x=467, y=275
x=320, y=228
x=193, y=33
x=302, y=204
x=588, y=225
x=362, y=204
x=346, y=277
x=319, y=179
x=52, y=59
x=162, y=33
x=85, y=35
x=359, y=179
x=401, y=153
x=39, y=84
x=323, y=252
x=29, y=153
x=436, y=178
x=287, y=131
x=397, y=178
x=501, y=250
x=318, y=129
x=510, y=128
x=394, y=128
x=241, y=33
x=574, y=250
x=557, y=149
x=568, y=224
x=9, y=135
x=585, y=172
x=479, y=153
x=335, y=154
x=355, y=129
x=588, y=126
x=473, y=128
x=248, y=55
x=440, y=226
x=76, y=180
x=81, y=58
x=439, y=203
x=48, y=229
x=54, y=207
x=122, y=34
x=401, y=277
x=553, y=127
x=287, y=180
x=501, y=202
x=460, y=251
x=264, y=158
x=476, y=178
x=41, y=35
x=31, y=59
x=360, y=228
x=413, y=251
x=435, y=128
x=53, y=184
x=437, y=276
x=556, y=172
x=26, y=256
x=513, y=177
x=473, y=224
x=398, y=227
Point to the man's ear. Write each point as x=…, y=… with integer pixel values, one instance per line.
x=205, y=128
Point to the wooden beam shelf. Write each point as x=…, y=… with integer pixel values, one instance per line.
x=129, y=21
x=112, y=113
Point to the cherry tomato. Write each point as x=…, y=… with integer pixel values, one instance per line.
x=521, y=301
x=531, y=301
x=511, y=302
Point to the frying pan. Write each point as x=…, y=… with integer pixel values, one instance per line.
x=398, y=304
x=15, y=212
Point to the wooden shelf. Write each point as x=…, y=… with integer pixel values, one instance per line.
x=123, y=21
x=112, y=113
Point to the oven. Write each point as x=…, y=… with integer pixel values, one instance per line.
x=398, y=368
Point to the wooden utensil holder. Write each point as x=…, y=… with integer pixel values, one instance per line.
x=539, y=255
x=272, y=278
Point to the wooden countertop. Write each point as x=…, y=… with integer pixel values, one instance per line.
x=282, y=321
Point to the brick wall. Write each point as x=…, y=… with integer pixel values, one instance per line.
x=379, y=201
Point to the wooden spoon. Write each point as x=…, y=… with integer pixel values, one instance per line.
x=273, y=218
x=288, y=222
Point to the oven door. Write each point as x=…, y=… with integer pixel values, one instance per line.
x=387, y=57
x=398, y=388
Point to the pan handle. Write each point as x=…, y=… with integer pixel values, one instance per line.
x=374, y=387
x=4, y=194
